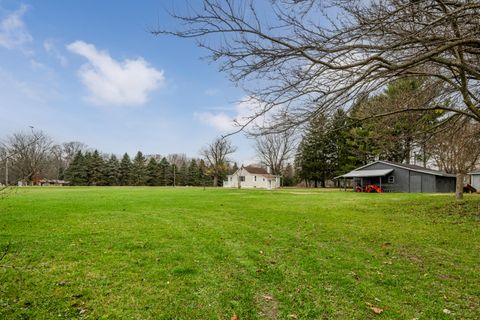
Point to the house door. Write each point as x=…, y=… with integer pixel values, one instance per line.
x=269, y=184
x=415, y=183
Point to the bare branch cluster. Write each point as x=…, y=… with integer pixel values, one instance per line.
x=305, y=57
x=215, y=154
x=275, y=149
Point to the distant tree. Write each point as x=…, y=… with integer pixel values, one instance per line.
x=275, y=149
x=166, y=175
x=95, y=167
x=193, y=174
x=139, y=170
x=76, y=172
x=29, y=155
x=153, y=173
x=456, y=149
x=125, y=171
x=316, y=157
x=288, y=176
x=215, y=154
x=112, y=171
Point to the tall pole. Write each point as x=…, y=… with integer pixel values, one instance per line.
x=6, y=170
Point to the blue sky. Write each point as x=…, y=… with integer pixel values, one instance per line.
x=90, y=71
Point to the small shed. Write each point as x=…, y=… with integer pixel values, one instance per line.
x=475, y=179
x=399, y=177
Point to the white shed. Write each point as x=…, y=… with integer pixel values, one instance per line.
x=252, y=177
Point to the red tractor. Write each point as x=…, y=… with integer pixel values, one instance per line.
x=372, y=188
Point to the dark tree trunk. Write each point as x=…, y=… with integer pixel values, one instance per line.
x=459, y=187
x=215, y=180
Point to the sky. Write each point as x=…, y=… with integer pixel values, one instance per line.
x=91, y=71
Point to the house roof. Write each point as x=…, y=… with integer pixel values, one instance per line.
x=475, y=172
x=256, y=170
x=366, y=173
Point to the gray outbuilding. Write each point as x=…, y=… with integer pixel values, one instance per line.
x=398, y=177
x=475, y=179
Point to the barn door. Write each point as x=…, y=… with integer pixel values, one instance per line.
x=415, y=183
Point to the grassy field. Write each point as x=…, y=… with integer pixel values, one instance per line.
x=156, y=253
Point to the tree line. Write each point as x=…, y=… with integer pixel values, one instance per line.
x=93, y=169
x=33, y=157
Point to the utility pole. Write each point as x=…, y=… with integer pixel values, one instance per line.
x=174, y=166
x=6, y=170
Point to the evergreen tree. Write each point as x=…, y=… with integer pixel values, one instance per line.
x=112, y=171
x=153, y=173
x=76, y=171
x=166, y=176
x=139, y=170
x=316, y=157
x=95, y=165
x=192, y=176
x=125, y=171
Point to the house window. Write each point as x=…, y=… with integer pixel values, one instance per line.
x=254, y=178
x=242, y=178
x=263, y=179
x=391, y=179
x=230, y=178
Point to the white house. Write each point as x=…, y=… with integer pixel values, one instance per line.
x=475, y=179
x=252, y=177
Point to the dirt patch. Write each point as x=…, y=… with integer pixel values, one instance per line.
x=268, y=306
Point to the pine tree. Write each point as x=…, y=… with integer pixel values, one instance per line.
x=76, y=171
x=112, y=171
x=166, y=176
x=192, y=176
x=125, y=171
x=153, y=173
x=96, y=166
x=139, y=170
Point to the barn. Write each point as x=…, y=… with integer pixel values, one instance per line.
x=399, y=177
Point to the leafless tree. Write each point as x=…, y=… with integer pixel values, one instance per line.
x=215, y=154
x=275, y=149
x=302, y=57
x=456, y=149
x=29, y=154
x=70, y=149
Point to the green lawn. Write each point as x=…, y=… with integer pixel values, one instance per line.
x=189, y=253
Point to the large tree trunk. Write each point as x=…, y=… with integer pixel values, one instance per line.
x=215, y=180
x=459, y=187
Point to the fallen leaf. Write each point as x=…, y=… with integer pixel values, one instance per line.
x=234, y=317
x=376, y=310
x=267, y=297
x=446, y=311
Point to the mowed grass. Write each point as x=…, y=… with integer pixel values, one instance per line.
x=189, y=253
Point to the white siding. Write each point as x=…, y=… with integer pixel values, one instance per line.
x=251, y=180
x=476, y=181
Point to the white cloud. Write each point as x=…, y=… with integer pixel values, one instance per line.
x=220, y=121
x=242, y=112
x=13, y=32
x=212, y=92
x=51, y=49
x=112, y=82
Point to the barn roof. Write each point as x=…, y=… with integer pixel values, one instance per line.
x=366, y=173
x=410, y=167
